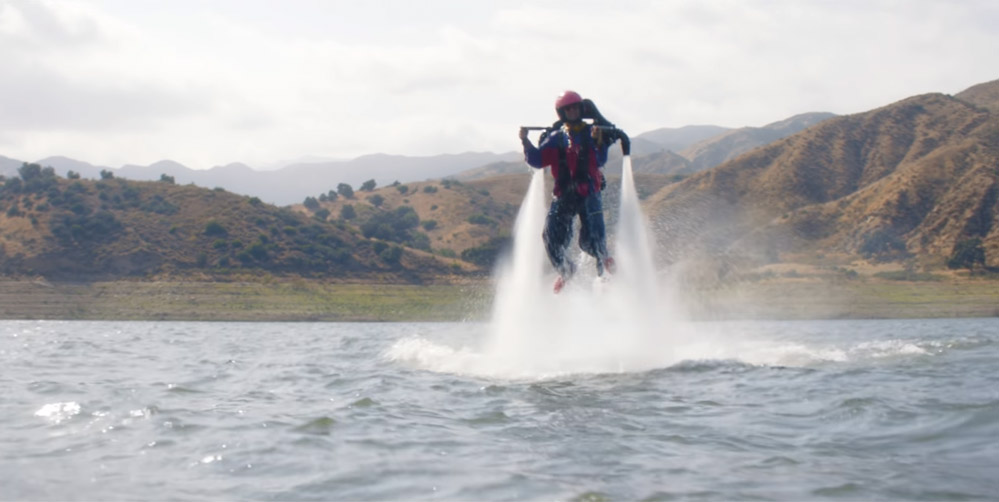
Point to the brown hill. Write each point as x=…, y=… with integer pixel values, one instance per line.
x=472, y=219
x=78, y=229
x=66, y=229
x=985, y=95
x=675, y=139
x=719, y=149
x=457, y=219
x=661, y=163
x=911, y=179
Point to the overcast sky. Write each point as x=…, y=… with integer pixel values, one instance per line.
x=209, y=82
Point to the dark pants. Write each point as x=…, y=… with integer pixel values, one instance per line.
x=558, y=230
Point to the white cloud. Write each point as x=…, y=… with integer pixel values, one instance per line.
x=208, y=83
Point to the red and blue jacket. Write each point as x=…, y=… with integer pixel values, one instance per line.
x=574, y=156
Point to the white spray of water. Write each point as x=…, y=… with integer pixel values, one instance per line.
x=593, y=326
x=626, y=324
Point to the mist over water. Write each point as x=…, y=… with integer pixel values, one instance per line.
x=592, y=326
x=618, y=324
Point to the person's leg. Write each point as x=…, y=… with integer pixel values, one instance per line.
x=557, y=235
x=593, y=234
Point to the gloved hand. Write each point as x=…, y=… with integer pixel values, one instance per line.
x=523, y=133
x=597, y=134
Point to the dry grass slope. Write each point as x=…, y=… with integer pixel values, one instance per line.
x=86, y=230
x=903, y=182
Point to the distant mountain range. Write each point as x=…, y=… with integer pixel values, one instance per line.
x=681, y=151
x=290, y=184
x=699, y=147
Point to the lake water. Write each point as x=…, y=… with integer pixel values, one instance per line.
x=830, y=410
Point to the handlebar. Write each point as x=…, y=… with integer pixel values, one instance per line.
x=618, y=134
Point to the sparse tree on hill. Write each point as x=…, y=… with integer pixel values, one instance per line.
x=311, y=203
x=37, y=178
x=72, y=175
x=106, y=175
x=368, y=186
x=376, y=200
x=29, y=172
x=347, y=212
x=346, y=190
x=13, y=185
x=167, y=179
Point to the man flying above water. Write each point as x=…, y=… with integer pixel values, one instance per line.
x=576, y=152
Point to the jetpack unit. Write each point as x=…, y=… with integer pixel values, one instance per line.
x=590, y=112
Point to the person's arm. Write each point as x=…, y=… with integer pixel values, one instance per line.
x=601, y=145
x=531, y=154
x=546, y=154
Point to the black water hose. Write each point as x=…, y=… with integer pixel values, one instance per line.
x=617, y=134
x=625, y=142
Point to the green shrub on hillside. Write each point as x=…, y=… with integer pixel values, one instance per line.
x=396, y=225
x=486, y=255
x=85, y=228
x=348, y=212
x=157, y=204
x=214, y=228
x=37, y=179
x=481, y=219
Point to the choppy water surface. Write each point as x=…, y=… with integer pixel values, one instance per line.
x=905, y=410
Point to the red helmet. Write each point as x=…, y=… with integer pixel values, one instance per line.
x=567, y=98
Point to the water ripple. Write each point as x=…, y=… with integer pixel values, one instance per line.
x=781, y=411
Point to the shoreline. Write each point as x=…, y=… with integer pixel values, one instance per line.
x=321, y=301
x=246, y=301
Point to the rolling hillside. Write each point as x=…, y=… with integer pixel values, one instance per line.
x=472, y=219
x=75, y=229
x=985, y=95
x=288, y=185
x=909, y=183
x=906, y=182
x=727, y=145
x=78, y=229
